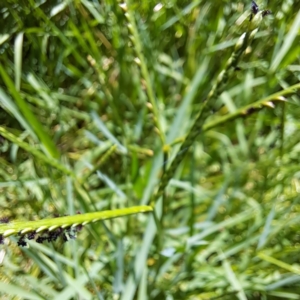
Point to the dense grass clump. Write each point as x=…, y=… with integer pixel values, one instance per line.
x=187, y=108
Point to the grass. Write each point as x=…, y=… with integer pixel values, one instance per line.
x=110, y=107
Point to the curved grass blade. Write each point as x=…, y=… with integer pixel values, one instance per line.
x=287, y=43
x=43, y=136
x=49, y=160
x=9, y=105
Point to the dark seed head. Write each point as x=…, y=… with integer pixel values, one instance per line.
x=40, y=239
x=4, y=220
x=31, y=235
x=254, y=8
x=22, y=242
x=250, y=110
x=65, y=237
x=78, y=228
x=266, y=12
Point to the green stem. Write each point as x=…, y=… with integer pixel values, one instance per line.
x=204, y=113
x=143, y=65
x=21, y=227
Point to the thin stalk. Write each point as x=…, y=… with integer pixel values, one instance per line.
x=141, y=61
x=282, y=127
x=97, y=166
x=191, y=221
x=244, y=111
x=216, y=90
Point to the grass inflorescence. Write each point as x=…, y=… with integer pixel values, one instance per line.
x=189, y=106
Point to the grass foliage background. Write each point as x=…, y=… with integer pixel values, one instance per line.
x=112, y=98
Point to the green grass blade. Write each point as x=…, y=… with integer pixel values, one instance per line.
x=286, y=43
x=48, y=160
x=43, y=136
x=18, y=60
x=11, y=108
x=13, y=290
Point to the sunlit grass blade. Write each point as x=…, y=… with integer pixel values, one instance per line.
x=18, y=60
x=11, y=107
x=286, y=43
x=43, y=136
x=107, y=133
x=14, y=290
x=231, y=277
